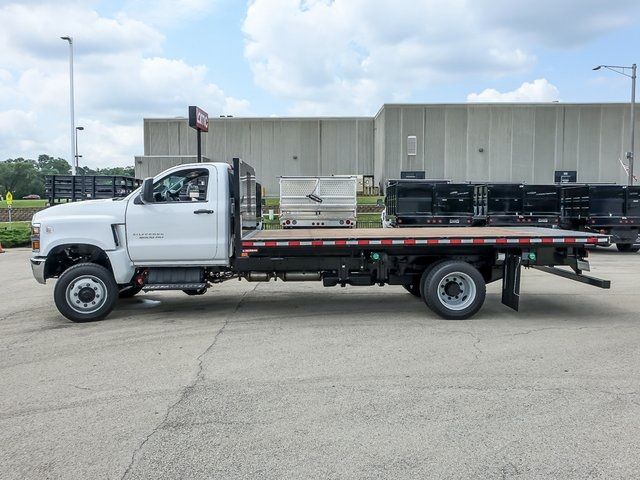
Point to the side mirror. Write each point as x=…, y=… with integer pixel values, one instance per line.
x=146, y=194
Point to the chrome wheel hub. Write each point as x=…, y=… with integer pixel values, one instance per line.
x=456, y=291
x=86, y=294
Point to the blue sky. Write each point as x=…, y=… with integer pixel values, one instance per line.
x=142, y=58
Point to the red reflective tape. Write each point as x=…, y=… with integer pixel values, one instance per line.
x=341, y=242
x=569, y=240
x=363, y=242
x=317, y=243
x=524, y=240
x=501, y=240
x=478, y=240
x=386, y=242
x=247, y=244
x=456, y=241
x=547, y=240
x=294, y=243
x=410, y=241
x=592, y=240
x=431, y=241
x=270, y=244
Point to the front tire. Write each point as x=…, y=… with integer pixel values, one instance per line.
x=627, y=247
x=86, y=292
x=454, y=290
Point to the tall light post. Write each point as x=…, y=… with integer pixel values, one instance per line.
x=622, y=70
x=78, y=156
x=73, y=122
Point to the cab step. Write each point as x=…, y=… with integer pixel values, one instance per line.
x=174, y=286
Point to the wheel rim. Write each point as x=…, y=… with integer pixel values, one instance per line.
x=456, y=291
x=86, y=294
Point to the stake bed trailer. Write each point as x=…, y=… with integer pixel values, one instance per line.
x=160, y=239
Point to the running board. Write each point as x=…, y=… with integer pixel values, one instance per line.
x=174, y=286
x=596, y=282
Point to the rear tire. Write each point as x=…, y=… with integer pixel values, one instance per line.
x=627, y=247
x=454, y=290
x=85, y=292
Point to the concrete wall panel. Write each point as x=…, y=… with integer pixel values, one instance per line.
x=478, y=143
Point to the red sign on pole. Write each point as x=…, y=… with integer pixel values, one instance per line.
x=198, y=119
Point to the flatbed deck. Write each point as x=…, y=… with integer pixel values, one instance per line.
x=418, y=236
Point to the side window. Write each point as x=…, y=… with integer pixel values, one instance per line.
x=182, y=186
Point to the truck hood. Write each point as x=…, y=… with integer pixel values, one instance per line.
x=112, y=211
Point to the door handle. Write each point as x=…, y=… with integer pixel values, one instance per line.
x=198, y=212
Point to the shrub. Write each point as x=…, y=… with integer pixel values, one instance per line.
x=18, y=235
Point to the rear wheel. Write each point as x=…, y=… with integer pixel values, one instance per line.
x=86, y=292
x=627, y=247
x=454, y=290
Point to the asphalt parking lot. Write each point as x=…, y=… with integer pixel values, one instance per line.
x=297, y=381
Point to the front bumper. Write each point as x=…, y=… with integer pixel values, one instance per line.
x=37, y=268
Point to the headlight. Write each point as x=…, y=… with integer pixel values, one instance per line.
x=35, y=237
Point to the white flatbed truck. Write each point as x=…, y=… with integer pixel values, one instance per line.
x=196, y=225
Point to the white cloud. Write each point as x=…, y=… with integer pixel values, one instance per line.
x=120, y=78
x=333, y=56
x=539, y=90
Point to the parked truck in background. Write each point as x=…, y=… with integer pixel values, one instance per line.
x=326, y=201
x=196, y=225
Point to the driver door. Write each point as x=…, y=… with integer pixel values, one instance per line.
x=181, y=224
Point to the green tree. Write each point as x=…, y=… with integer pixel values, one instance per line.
x=19, y=176
x=48, y=165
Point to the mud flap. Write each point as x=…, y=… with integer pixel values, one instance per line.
x=511, y=281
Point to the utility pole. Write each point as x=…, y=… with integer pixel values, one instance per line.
x=622, y=70
x=71, y=107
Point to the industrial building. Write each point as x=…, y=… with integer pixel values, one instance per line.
x=476, y=142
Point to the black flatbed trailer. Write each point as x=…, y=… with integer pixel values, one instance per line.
x=448, y=267
x=503, y=204
x=606, y=209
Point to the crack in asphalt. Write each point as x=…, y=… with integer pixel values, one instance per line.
x=189, y=387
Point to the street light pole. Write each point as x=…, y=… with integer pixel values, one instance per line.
x=78, y=156
x=71, y=108
x=622, y=71
x=633, y=121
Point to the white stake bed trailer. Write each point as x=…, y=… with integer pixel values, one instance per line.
x=153, y=244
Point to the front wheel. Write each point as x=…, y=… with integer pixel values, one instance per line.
x=454, y=290
x=627, y=247
x=86, y=292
